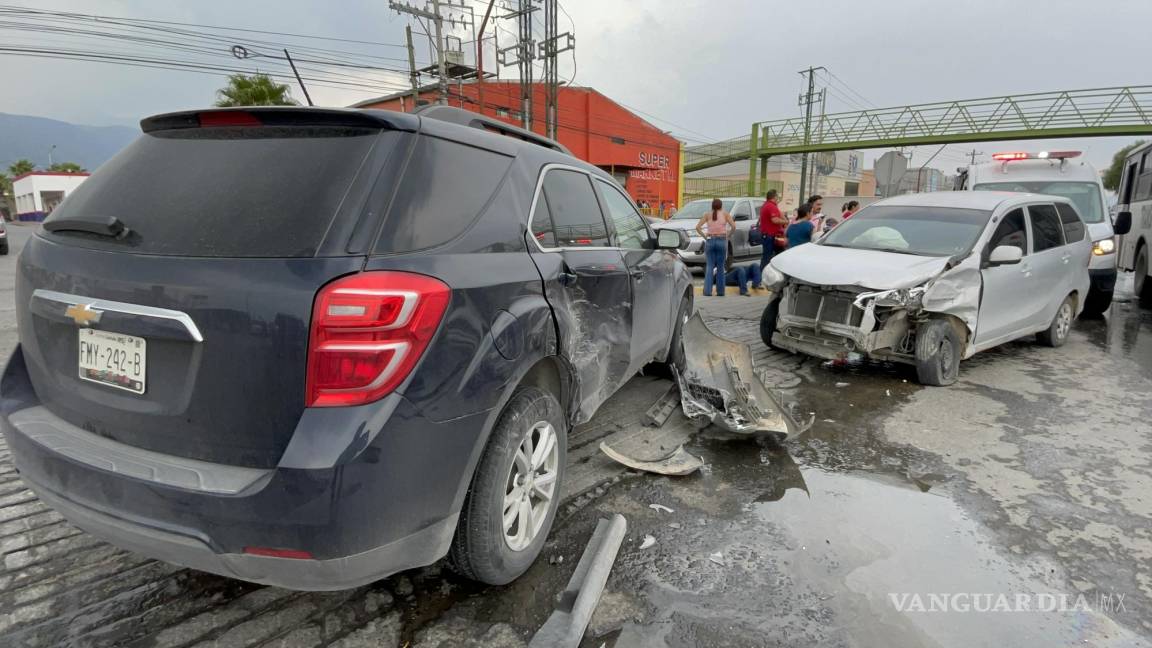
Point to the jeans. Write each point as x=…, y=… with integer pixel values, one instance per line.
x=715, y=249
x=743, y=275
x=768, y=252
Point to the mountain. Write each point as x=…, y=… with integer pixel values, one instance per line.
x=24, y=136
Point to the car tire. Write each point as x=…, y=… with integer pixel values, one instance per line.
x=1096, y=304
x=1143, y=284
x=4, y=248
x=1057, y=332
x=676, y=345
x=938, y=353
x=768, y=321
x=482, y=549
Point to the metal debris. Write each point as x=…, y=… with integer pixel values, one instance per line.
x=680, y=462
x=565, y=627
x=660, y=507
x=649, y=541
x=717, y=558
x=662, y=409
x=719, y=383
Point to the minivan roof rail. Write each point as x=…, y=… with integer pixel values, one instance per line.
x=475, y=120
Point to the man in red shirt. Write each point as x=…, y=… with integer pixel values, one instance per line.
x=772, y=224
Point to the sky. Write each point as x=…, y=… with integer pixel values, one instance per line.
x=704, y=70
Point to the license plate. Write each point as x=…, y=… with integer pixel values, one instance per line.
x=113, y=359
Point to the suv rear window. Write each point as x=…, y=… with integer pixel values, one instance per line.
x=223, y=192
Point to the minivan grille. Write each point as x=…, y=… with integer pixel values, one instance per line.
x=831, y=306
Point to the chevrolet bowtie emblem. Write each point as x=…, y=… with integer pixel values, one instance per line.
x=83, y=314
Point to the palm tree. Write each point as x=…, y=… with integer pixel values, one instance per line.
x=66, y=167
x=255, y=90
x=20, y=167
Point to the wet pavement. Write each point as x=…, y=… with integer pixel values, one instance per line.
x=1028, y=483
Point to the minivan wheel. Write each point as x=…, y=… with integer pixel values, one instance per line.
x=938, y=353
x=1143, y=286
x=1096, y=304
x=1057, y=332
x=768, y=321
x=515, y=492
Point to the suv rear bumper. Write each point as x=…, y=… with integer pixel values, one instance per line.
x=366, y=491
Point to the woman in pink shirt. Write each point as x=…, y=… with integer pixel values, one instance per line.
x=714, y=227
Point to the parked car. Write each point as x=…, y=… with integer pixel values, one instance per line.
x=3, y=237
x=930, y=279
x=313, y=347
x=1059, y=173
x=745, y=212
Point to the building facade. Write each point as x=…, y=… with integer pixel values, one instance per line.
x=38, y=193
x=643, y=158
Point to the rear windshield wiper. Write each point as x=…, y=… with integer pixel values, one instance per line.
x=111, y=227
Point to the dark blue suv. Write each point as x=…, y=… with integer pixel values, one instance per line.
x=312, y=347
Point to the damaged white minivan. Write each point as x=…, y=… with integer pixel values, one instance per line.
x=931, y=279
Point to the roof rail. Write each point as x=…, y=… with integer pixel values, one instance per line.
x=483, y=122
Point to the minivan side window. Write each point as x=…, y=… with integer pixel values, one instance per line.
x=576, y=217
x=1073, y=226
x=1047, y=230
x=1011, y=231
x=631, y=232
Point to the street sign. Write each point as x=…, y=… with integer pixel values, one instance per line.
x=890, y=168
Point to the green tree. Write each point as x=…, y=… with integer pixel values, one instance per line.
x=67, y=167
x=255, y=90
x=20, y=167
x=1112, y=175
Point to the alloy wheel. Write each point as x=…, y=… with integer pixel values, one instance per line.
x=1063, y=320
x=531, y=486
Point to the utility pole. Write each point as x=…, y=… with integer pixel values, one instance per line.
x=550, y=48
x=808, y=100
x=480, y=56
x=413, y=75
x=973, y=155
x=525, y=50
x=433, y=14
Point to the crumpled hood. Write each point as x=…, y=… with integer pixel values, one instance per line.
x=832, y=266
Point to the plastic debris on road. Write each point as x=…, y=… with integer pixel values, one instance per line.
x=679, y=463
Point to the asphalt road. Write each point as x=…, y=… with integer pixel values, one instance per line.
x=1031, y=478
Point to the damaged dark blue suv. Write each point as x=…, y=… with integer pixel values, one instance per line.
x=312, y=347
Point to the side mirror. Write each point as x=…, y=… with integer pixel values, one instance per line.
x=1005, y=255
x=671, y=239
x=1123, y=223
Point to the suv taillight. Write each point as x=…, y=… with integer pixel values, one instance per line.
x=368, y=332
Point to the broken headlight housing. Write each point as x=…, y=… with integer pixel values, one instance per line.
x=772, y=278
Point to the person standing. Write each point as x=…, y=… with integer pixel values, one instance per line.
x=801, y=229
x=816, y=205
x=772, y=224
x=714, y=228
x=850, y=208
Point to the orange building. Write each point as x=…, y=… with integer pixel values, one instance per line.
x=643, y=158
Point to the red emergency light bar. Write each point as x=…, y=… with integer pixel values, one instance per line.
x=1042, y=155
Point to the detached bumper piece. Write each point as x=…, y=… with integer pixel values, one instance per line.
x=719, y=383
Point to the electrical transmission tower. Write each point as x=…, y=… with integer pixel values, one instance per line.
x=525, y=51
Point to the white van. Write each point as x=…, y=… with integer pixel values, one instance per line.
x=1055, y=173
x=1134, y=220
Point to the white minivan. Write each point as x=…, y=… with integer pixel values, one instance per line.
x=1054, y=173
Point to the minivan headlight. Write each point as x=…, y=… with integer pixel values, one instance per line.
x=772, y=278
x=1103, y=246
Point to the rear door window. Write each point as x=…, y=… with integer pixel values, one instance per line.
x=223, y=192
x=576, y=217
x=1073, y=226
x=1047, y=230
x=445, y=188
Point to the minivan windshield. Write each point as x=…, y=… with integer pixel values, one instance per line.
x=1085, y=195
x=927, y=231
x=697, y=208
